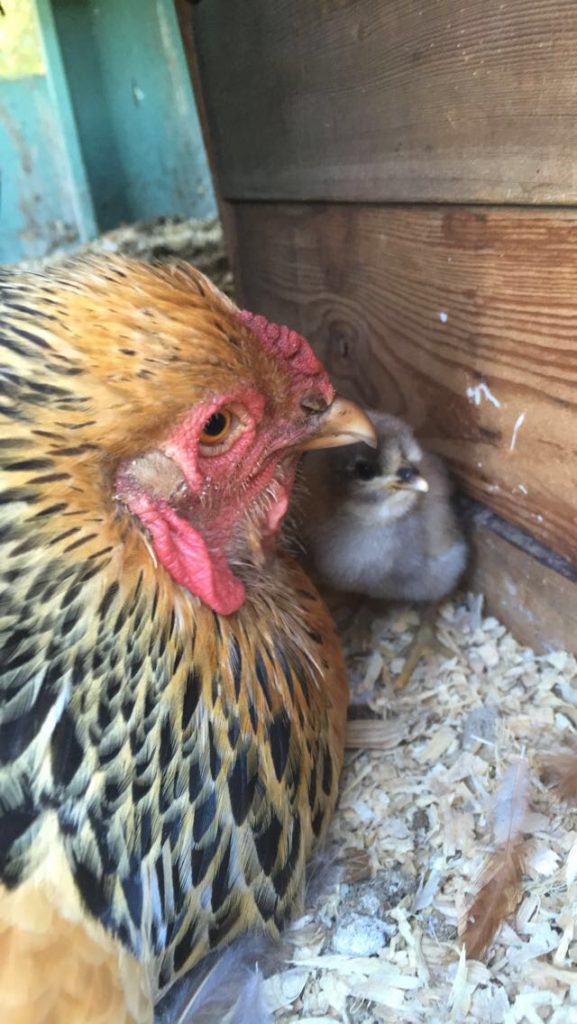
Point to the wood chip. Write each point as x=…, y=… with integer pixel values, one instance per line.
x=416, y=797
x=374, y=734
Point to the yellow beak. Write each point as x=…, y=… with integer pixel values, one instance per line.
x=419, y=484
x=342, y=423
x=416, y=483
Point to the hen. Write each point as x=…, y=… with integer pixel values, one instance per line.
x=172, y=695
x=380, y=524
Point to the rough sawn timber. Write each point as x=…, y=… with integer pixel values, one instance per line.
x=365, y=100
x=462, y=320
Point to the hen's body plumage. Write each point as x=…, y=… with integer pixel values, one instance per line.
x=164, y=770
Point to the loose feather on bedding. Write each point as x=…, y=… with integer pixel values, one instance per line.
x=228, y=987
x=225, y=989
x=500, y=882
x=560, y=771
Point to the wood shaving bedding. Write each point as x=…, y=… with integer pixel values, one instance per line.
x=414, y=819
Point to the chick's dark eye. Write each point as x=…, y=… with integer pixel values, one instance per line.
x=406, y=474
x=216, y=428
x=364, y=470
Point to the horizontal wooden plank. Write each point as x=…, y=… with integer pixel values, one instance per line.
x=537, y=604
x=463, y=321
x=439, y=100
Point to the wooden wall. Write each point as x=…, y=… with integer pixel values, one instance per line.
x=463, y=321
x=392, y=100
x=400, y=182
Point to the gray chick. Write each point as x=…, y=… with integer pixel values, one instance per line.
x=380, y=523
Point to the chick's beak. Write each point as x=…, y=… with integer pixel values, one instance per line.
x=408, y=479
x=420, y=484
x=341, y=423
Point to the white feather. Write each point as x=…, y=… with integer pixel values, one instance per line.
x=511, y=803
x=228, y=987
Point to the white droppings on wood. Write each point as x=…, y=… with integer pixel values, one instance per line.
x=443, y=317
x=479, y=391
x=359, y=935
x=518, y=424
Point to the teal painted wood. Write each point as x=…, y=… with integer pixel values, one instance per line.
x=73, y=165
x=135, y=110
x=109, y=134
x=38, y=212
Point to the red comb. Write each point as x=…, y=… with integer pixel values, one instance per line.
x=288, y=344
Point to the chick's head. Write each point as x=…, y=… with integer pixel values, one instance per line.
x=384, y=482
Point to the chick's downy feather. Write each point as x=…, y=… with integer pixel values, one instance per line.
x=172, y=696
x=380, y=523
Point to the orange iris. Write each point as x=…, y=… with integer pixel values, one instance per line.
x=216, y=428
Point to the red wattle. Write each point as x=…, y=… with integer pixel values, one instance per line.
x=184, y=554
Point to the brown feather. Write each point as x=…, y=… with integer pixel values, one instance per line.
x=560, y=772
x=500, y=882
x=57, y=966
x=496, y=900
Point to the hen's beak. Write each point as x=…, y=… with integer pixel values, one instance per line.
x=342, y=423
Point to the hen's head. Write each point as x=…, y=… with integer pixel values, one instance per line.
x=185, y=413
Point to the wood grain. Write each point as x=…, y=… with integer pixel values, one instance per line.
x=538, y=605
x=367, y=100
x=184, y=16
x=374, y=734
x=462, y=321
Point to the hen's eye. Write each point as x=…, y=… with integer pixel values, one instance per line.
x=216, y=428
